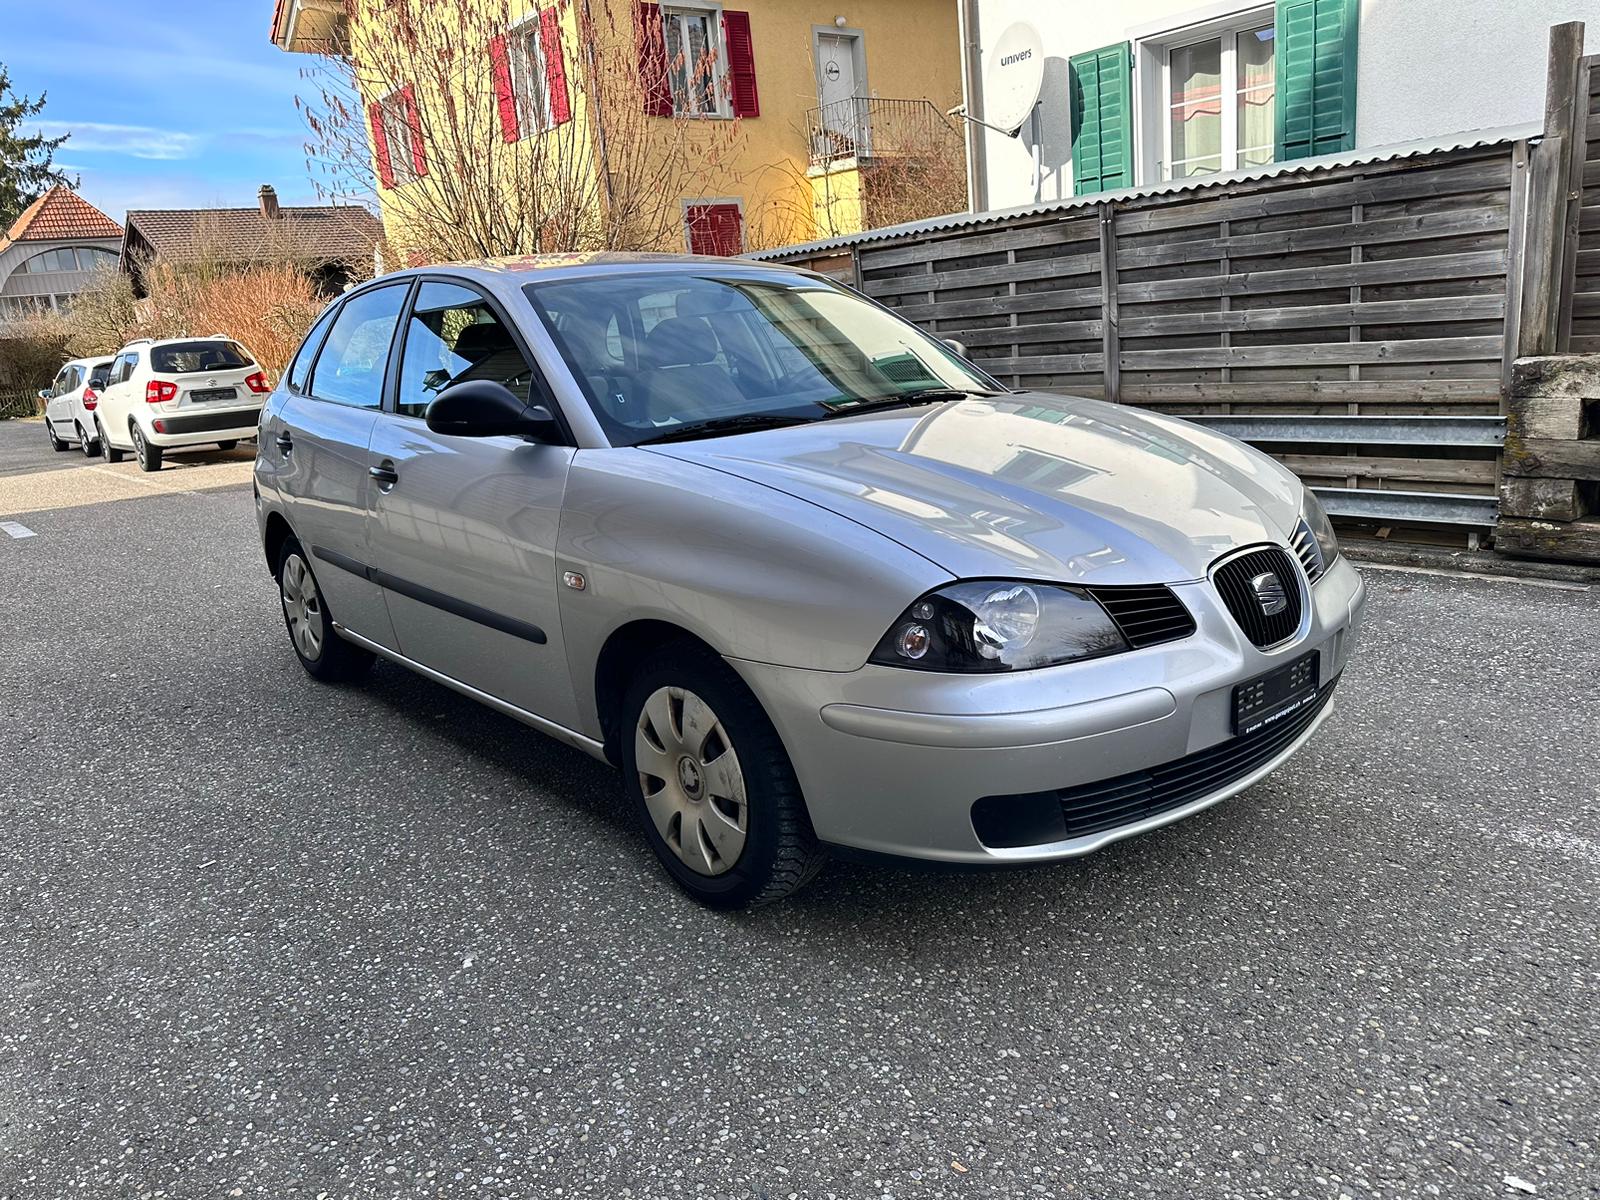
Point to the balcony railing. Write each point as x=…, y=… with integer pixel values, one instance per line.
x=871, y=127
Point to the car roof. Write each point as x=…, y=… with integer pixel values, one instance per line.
x=91, y=362
x=513, y=271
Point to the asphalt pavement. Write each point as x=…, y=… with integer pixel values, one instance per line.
x=265, y=937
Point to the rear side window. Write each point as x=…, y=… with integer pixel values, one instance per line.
x=350, y=368
x=300, y=368
x=186, y=358
x=99, y=375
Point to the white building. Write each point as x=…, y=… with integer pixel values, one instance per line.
x=1145, y=91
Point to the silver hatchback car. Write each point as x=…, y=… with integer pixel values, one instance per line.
x=805, y=575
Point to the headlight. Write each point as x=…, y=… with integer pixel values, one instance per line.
x=998, y=625
x=1321, y=528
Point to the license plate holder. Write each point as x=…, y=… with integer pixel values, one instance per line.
x=1268, y=699
x=208, y=395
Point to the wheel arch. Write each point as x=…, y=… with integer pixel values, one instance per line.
x=626, y=646
x=273, y=536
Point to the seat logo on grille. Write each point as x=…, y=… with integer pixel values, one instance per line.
x=1270, y=593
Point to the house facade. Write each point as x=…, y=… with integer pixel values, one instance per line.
x=807, y=120
x=1149, y=92
x=53, y=251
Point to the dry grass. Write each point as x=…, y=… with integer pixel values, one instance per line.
x=267, y=307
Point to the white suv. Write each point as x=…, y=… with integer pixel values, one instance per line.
x=179, y=392
x=70, y=401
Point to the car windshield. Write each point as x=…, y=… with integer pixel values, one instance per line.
x=698, y=353
x=186, y=358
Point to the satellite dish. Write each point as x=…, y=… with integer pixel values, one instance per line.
x=1013, y=78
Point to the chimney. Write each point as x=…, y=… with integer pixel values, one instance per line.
x=268, y=196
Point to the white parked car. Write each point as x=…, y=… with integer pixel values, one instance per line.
x=179, y=392
x=70, y=401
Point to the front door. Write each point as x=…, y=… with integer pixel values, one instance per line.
x=464, y=529
x=843, y=119
x=320, y=438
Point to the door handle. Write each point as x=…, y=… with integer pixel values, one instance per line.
x=285, y=443
x=385, y=474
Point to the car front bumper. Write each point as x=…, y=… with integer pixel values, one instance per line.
x=893, y=761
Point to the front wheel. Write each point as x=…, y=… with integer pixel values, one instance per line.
x=321, y=651
x=110, y=452
x=712, y=784
x=149, y=456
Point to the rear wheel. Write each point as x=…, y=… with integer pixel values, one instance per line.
x=90, y=446
x=56, y=443
x=228, y=445
x=321, y=651
x=712, y=784
x=149, y=456
x=107, y=450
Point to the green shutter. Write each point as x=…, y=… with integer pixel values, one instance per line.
x=1101, y=86
x=1316, y=68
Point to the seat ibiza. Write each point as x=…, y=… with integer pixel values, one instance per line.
x=805, y=575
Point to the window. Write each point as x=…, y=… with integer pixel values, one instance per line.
x=301, y=365
x=693, y=58
x=454, y=335
x=189, y=358
x=68, y=258
x=99, y=375
x=1219, y=97
x=350, y=368
x=396, y=126
x=659, y=354
x=123, y=367
x=714, y=229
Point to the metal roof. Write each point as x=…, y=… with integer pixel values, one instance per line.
x=1468, y=140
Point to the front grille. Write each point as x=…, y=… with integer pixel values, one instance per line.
x=1042, y=817
x=1147, y=616
x=1233, y=579
x=1308, y=552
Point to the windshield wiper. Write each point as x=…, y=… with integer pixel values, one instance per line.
x=715, y=426
x=905, y=400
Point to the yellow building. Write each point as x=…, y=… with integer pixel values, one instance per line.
x=686, y=125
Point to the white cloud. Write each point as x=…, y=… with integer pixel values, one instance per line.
x=134, y=141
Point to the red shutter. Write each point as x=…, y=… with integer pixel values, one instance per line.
x=555, y=71
x=741, y=63
x=505, y=93
x=419, y=159
x=715, y=229
x=380, y=144
x=653, y=62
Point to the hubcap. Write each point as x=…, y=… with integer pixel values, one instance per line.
x=693, y=786
x=302, y=605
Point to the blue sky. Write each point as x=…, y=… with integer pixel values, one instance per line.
x=171, y=103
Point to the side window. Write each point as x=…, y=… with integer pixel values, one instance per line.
x=454, y=335
x=61, y=383
x=300, y=368
x=350, y=368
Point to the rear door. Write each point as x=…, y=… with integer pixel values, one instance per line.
x=464, y=529
x=319, y=440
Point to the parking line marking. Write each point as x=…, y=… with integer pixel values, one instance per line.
x=17, y=529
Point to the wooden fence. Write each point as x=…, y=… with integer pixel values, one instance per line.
x=1357, y=316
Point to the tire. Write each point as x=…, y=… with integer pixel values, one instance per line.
x=90, y=446
x=228, y=445
x=778, y=852
x=107, y=451
x=322, y=652
x=56, y=443
x=149, y=456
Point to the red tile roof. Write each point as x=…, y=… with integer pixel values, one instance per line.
x=61, y=215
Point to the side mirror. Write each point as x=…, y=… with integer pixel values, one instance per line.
x=47, y=394
x=959, y=347
x=485, y=408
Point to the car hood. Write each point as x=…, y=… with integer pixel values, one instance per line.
x=1027, y=485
